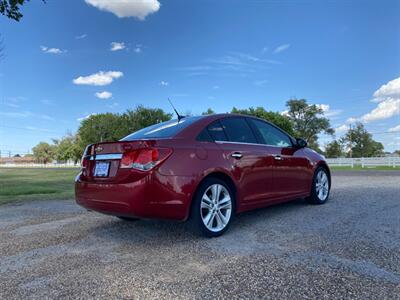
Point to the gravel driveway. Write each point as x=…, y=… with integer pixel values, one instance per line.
x=348, y=248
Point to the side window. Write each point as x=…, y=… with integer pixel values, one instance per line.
x=271, y=135
x=238, y=130
x=216, y=131
x=204, y=136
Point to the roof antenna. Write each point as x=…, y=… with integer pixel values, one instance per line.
x=178, y=115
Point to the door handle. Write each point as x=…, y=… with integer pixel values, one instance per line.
x=237, y=155
x=278, y=157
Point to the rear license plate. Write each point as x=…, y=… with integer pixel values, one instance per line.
x=101, y=169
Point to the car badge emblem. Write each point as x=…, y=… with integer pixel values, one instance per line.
x=98, y=149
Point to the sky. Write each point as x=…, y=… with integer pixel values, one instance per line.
x=63, y=62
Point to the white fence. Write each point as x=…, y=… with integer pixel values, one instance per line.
x=365, y=162
x=33, y=165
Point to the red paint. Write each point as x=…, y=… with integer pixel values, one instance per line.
x=166, y=190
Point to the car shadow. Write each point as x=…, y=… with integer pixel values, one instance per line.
x=162, y=230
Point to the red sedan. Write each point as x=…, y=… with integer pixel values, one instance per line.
x=202, y=169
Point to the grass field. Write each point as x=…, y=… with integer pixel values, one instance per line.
x=30, y=184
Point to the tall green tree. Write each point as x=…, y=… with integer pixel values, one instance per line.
x=67, y=148
x=334, y=149
x=360, y=142
x=308, y=121
x=11, y=8
x=141, y=117
x=271, y=116
x=44, y=152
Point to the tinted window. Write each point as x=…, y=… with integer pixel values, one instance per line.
x=271, y=135
x=204, y=136
x=216, y=131
x=162, y=130
x=238, y=130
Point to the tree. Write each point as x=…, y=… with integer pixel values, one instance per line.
x=209, y=111
x=43, y=152
x=273, y=117
x=308, y=121
x=142, y=117
x=67, y=148
x=360, y=143
x=10, y=8
x=334, y=149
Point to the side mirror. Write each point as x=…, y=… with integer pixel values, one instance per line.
x=301, y=143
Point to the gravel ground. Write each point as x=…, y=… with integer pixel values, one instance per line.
x=348, y=248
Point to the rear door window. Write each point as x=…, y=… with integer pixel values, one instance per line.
x=271, y=135
x=216, y=131
x=238, y=130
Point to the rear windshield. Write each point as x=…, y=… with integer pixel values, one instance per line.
x=162, y=130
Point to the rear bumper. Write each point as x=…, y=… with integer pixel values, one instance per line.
x=153, y=196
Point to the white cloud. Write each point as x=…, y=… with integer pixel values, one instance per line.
x=26, y=114
x=342, y=128
x=52, y=50
x=86, y=117
x=395, y=129
x=103, y=95
x=99, y=79
x=388, y=99
x=115, y=46
x=390, y=89
x=328, y=112
x=164, y=83
x=139, y=9
x=82, y=36
x=385, y=109
x=216, y=87
x=281, y=48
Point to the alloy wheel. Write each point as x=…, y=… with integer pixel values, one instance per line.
x=322, y=185
x=216, y=207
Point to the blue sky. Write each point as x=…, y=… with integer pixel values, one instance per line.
x=59, y=67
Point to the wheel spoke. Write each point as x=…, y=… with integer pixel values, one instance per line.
x=225, y=200
x=220, y=223
x=214, y=192
x=206, y=198
x=208, y=218
x=222, y=217
x=206, y=205
x=226, y=205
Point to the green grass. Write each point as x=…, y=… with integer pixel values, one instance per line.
x=31, y=184
x=358, y=168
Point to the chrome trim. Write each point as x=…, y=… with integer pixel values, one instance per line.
x=241, y=143
x=106, y=156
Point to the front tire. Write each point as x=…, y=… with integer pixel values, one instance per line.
x=213, y=208
x=320, y=187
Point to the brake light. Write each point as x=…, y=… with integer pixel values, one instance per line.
x=144, y=159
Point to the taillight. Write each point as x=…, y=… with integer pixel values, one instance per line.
x=144, y=159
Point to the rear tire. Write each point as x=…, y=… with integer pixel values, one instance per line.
x=128, y=219
x=321, y=186
x=213, y=208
